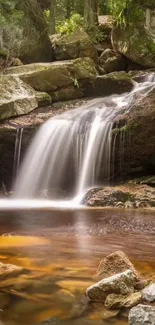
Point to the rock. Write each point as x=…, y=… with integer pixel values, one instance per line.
x=43, y=98
x=57, y=76
x=10, y=270
x=148, y=293
x=119, y=196
x=115, y=63
x=115, y=263
x=115, y=301
x=16, y=97
x=106, y=23
x=136, y=40
x=112, y=83
x=106, y=54
x=106, y=314
x=72, y=46
x=142, y=314
x=121, y=283
x=138, y=157
x=15, y=62
x=79, y=307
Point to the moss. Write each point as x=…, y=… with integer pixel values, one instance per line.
x=123, y=128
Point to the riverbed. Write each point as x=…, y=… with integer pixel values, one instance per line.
x=61, y=251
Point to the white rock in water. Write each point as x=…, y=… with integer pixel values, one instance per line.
x=142, y=314
x=148, y=293
x=121, y=283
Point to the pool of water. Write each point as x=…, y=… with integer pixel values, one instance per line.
x=61, y=251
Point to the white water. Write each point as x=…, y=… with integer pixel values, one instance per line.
x=17, y=152
x=76, y=144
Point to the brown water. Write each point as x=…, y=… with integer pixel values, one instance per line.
x=62, y=250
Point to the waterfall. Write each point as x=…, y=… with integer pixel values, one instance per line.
x=75, y=147
x=17, y=152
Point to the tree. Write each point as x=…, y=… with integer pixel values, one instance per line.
x=52, y=18
x=90, y=14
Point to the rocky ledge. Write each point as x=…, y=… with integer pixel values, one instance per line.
x=121, y=196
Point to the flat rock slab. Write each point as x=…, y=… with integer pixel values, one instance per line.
x=142, y=314
x=122, y=283
x=114, y=301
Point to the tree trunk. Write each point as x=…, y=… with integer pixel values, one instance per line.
x=90, y=13
x=52, y=17
x=32, y=10
x=69, y=8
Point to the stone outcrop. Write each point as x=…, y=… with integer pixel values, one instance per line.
x=142, y=314
x=136, y=156
x=72, y=46
x=121, y=283
x=136, y=38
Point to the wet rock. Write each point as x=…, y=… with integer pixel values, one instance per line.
x=16, y=97
x=79, y=307
x=142, y=314
x=4, y=300
x=112, y=83
x=127, y=196
x=115, y=301
x=106, y=314
x=72, y=46
x=148, y=293
x=115, y=263
x=121, y=283
x=106, y=54
x=43, y=99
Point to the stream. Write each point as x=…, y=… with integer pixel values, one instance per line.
x=61, y=251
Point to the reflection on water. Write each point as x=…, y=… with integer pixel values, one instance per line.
x=61, y=251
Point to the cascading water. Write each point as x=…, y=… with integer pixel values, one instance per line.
x=17, y=152
x=76, y=146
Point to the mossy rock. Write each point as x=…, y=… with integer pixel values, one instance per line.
x=136, y=39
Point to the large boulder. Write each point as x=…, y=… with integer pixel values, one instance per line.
x=72, y=46
x=142, y=314
x=57, y=76
x=136, y=39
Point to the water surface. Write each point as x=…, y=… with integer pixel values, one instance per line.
x=62, y=250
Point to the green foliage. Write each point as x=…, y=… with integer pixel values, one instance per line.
x=69, y=25
x=96, y=35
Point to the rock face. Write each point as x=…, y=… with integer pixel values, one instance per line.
x=137, y=155
x=124, y=196
x=142, y=314
x=115, y=263
x=121, y=283
x=148, y=293
x=16, y=97
x=75, y=45
x=136, y=39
